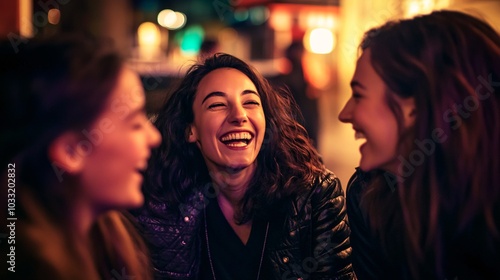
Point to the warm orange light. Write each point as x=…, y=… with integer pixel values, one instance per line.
x=316, y=71
x=282, y=16
x=53, y=16
x=25, y=16
x=148, y=34
x=149, y=39
x=280, y=20
x=319, y=40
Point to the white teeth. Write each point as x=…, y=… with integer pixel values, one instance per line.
x=237, y=144
x=237, y=136
x=359, y=135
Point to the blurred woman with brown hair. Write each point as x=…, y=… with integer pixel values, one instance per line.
x=74, y=142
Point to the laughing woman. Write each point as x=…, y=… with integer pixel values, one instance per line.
x=236, y=190
x=425, y=202
x=73, y=140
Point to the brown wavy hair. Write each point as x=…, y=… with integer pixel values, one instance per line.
x=448, y=195
x=50, y=86
x=287, y=161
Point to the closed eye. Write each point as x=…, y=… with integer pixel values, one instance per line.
x=137, y=125
x=356, y=95
x=252, y=103
x=138, y=122
x=216, y=105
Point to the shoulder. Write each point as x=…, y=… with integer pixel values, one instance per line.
x=357, y=183
x=324, y=189
x=161, y=210
x=42, y=253
x=327, y=184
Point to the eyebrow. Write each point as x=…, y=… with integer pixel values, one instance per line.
x=220, y=93
x=355, y=83
x=136, y=112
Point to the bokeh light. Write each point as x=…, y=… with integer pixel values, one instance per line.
x=319, y=41
x=241, y=14
x=191, y=40
x=54, y=16
x=148, y=34
x=171, y=19
x=149, y=39
x=259, y=15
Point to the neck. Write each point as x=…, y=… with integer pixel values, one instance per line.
x=82, y=218
x=232, y=185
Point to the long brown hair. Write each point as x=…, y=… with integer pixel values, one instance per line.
x=448, y=183
x=51, y=86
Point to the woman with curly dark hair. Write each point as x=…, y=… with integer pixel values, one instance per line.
x=236, y=190
x=425, y=202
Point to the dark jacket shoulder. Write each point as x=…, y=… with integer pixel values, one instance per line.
x=314, y=241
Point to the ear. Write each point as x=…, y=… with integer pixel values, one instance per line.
x=409, y=111
x=192, y=135
x=64, y=152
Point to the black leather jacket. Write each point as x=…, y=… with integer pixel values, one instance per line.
x=311, y=240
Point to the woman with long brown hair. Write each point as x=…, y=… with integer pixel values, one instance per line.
x=425, y=201
x=74, y=142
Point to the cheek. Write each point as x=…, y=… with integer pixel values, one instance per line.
x=112, y=157
x=112, y=180
x=384, y=133
x=116, y=157
x=207, y=130
x=388, y=144
x=260, y=123
x=262, y=135
x=382, y=142
x=110, y=177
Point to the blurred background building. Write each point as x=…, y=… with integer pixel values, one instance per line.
x=161, y=38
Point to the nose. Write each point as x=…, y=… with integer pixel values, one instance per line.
x=345, y=115
x=154, y=137
x=238, y=115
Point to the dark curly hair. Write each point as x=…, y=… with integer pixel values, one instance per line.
x=287, y=161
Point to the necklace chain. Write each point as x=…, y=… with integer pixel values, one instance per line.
x=210, y=255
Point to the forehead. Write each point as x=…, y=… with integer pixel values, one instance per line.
x=127, y=94
x=364, y=66
x=128, y=87
x=225, y=80
x=365, y=74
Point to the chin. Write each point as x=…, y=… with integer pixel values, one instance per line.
x=138, y=202
x=366, y=165
x=365, y=169
x=236, y=167
x=135, y=200
x=241, y=164
x=386, y=165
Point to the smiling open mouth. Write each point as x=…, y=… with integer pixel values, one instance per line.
x=359, y=135
x=236, y=139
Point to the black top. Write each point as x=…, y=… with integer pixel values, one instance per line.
x=367, y=258
x=471, y=254
x=307, y=228
x=231, y=258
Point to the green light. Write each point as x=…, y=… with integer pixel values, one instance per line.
x=192, y=39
